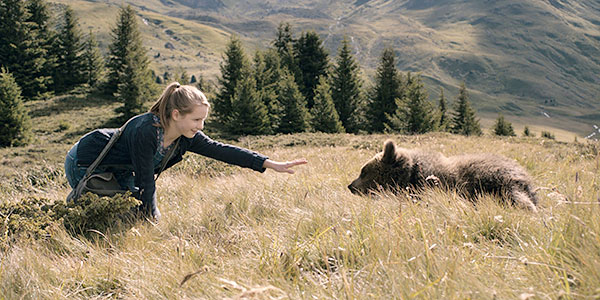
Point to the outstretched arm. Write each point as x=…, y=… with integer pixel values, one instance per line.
x=283, y=167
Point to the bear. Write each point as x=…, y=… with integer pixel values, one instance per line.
x=470, y=174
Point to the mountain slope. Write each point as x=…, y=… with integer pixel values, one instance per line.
x=535, y=61
x=531, y=56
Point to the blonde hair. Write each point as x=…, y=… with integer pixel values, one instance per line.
x=180, y=97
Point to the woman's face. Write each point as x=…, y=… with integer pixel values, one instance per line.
x=188, y=124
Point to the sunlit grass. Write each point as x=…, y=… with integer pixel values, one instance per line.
x=228, y=232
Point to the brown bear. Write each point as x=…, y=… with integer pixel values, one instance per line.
x=471, y=174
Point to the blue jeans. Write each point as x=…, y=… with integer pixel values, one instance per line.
x=75, y=173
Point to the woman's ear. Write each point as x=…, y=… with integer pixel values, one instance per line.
x=175, y=115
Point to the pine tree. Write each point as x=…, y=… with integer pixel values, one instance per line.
x=131, y=90
x=294, y=117
x=70, y=65
x=21, y=52
x=527, y=132
x=234, y=67
x=204, y=85
x=267, y=73
x=129, y=76
x=324, y=117
x=444, y=121
x=249, y=113
x=259, y=70
x=15, y=126
x=388, y=88
x=312, y=61
x=182, y=76
x=126, y=51
x=464, y=121
x=346, y=90
x=284, y=44
x=284, y=41
x=503, y=127
x=39, y=17
x=273, y=69
x=414, y=115
x=93, y=63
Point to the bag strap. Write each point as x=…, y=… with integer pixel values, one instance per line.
x=113, y=140
x=109, y=145
x=167, y=157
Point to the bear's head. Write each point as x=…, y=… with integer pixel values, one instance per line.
x=386, y=170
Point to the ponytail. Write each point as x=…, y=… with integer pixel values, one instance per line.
x=180, y=97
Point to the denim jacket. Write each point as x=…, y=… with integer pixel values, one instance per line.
x=138, y=143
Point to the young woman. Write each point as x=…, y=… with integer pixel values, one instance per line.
x=175, y=120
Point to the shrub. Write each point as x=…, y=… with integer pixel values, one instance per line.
x=63, y=125
x=34, y=218
x=27, y=219
x=94, y=212
x=527, y=132
x=548, y=135
x=503, y=127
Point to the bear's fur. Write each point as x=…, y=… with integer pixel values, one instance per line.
x=471, y=174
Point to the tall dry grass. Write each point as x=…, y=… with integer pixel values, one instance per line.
x=233, y=233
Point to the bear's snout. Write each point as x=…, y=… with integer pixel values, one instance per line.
x=352, y=189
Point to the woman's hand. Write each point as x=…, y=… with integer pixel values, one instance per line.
x=283, y=167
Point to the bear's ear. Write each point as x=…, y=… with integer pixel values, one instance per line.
x=389, y=152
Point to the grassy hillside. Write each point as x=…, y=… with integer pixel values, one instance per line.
x=534, y=61
x=232, y=233
x=173, y=44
